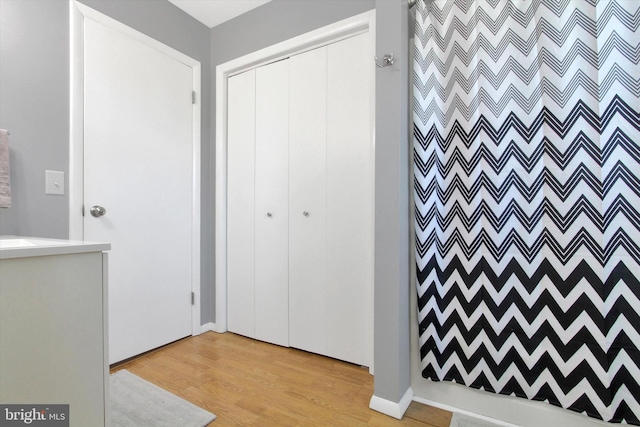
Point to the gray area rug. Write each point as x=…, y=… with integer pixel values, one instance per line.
x=138, y=403
x=461, y=420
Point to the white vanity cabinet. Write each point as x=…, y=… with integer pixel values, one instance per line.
x=53, y=347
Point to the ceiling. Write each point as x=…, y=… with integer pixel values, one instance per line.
x=214, y=12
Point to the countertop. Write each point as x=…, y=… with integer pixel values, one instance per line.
x=22, y=247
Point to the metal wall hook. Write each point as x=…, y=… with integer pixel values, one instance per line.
x=387, y=60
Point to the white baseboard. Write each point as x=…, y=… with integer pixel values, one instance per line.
x=392, y=409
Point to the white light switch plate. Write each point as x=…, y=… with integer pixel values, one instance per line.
x=54, y=183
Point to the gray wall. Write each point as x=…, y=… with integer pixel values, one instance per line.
x=392, y=285
x=34, y=107
x=274, y=22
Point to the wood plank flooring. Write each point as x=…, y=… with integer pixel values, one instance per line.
x=252, y=383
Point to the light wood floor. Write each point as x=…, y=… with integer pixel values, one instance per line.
x=251, y=383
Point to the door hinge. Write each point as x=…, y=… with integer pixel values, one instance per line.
x=82, y=210
x=193, y=96
x=193, y=298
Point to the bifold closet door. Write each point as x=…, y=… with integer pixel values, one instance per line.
x=272, y=204
x=331, y=201
x=349, y=201
x=257, y=203
x=241, y=130
x=307, y=207
x=300, y=202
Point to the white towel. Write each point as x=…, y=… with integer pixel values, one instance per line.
x=5, y=184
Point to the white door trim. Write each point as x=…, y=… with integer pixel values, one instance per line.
x=362, y=23
x=78, y=13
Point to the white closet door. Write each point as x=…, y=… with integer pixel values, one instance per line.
x=241, y=129
x=272, y=204
x=307, y=207
x=349, y=201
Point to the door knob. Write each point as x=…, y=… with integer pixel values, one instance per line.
x=97, y=211
x=269, y=214
x=305, y=213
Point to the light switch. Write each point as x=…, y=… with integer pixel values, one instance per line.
x=54, y=183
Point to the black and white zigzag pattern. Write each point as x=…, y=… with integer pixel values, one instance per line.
x=527, y=199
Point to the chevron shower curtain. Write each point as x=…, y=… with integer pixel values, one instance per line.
x=527, y=199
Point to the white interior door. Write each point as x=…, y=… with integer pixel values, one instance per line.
x=307, y=205
x=272, y=203
x=241, y=158
x=349, y=201
x=138, y=165
x=300, y=201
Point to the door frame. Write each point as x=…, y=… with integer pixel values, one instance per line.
x=78, y=12
x=358, y=24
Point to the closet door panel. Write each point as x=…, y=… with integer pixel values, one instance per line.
x=307, y=204
x=271, y=203
x=349, y=201
x=240, y=203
